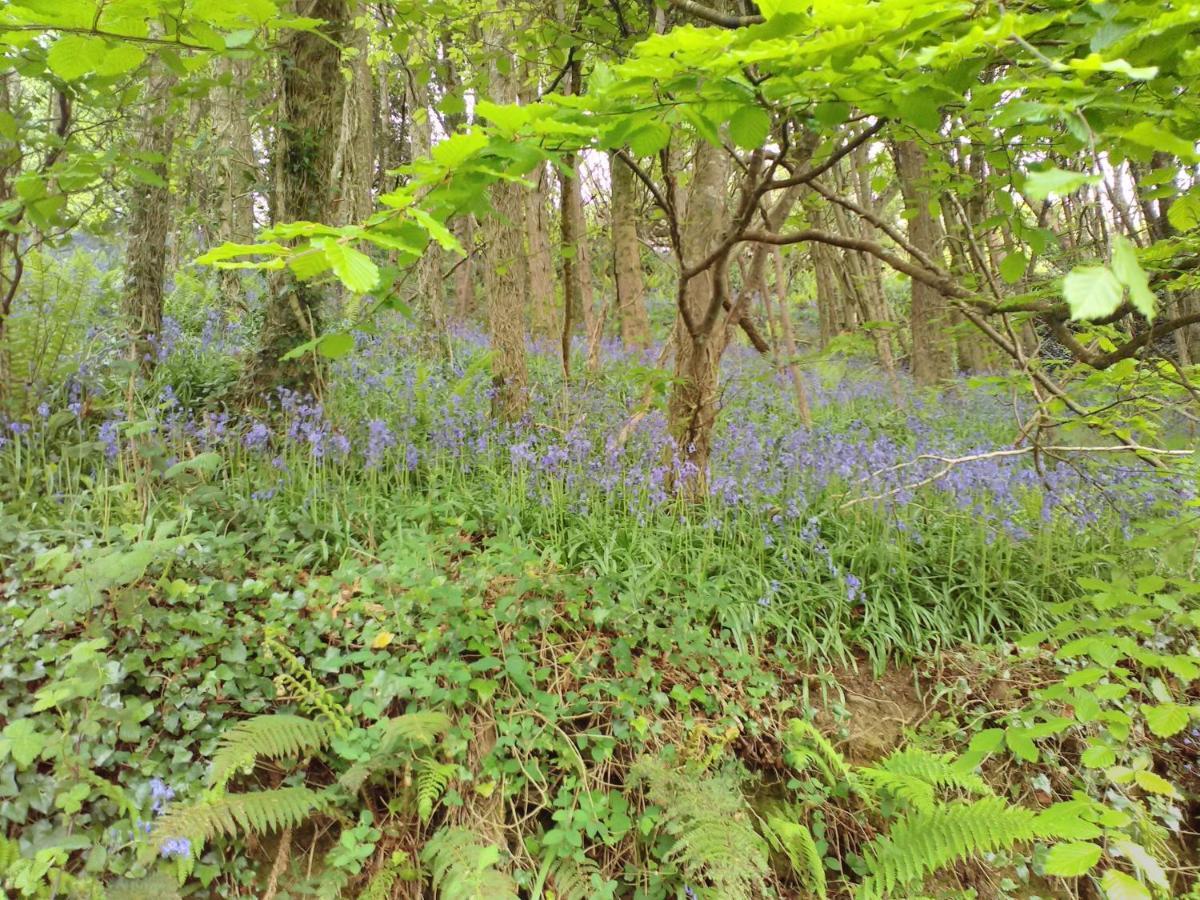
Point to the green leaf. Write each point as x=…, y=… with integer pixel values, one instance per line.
x=1167, y=719
x=22, y=742
x=335, y=346
x=749, y=127
x=1156, y=137
x=1013, y=266
x=1184, y=213
x=203, y=462
x=1040, y=185
x=1067, y=820
x=1020, y=742
x=1155, y=784
x=239, y=38
x=987, y=741
x=1119, y=886
x=649, y=139
x=72, y=56
x=458, y=147
x=437, y=230
x=1098, y=756
x=1092, y=292
x=120, y=58
x=1130, y=273
x=352, y=267
x=1071, y=860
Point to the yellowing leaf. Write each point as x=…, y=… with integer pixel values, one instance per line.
x=381, y=640
x=1130, y=273
x=1119, y=886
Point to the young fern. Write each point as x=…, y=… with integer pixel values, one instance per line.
x=296, y=679
x=796, y=842
x=575, y=879
x=807, y=746
x=270, y=736
x=462, y=866
x=929, y=839
x=432, y=780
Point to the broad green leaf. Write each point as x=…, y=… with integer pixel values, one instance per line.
x=1130, y=273
x=458, y=147
x=1119, y=886
x=1156, y=137
x=352, y=267
x=335, y=346
x=226, y=251
x=1155, y=784
x=1071, y=860
x=1040, y=185
x=1098, y=756
x=1166, y=719
x=1067, y=820
x=749, y=127
x=73, y=56
x=1013, y=266
x=987, y=741
x=649, y=139
x=1184, y=213
x=1092, y=292
x=1150, y=868
x=437, y=230
x=119, y=58
x=203, y=462
x=1020, y=742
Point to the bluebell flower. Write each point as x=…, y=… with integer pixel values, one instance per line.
x=175, y=847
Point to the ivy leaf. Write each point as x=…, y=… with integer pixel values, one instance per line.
x=1119, y=886
x=1130, y=273
x=1040, y=185
x=1167, y=719
x=22, y=742
x=1184, y=214
x=1070, y=860
x=1092, y=292
x=1013, y=266
x=352, y=267
x=749, y=127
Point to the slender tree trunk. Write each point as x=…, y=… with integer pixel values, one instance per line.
x=237, y=170
x=799, y=392
x=149, y=223
x=310, y=109
x=627, y=257
x=932, y=356
x=505, y=278
x=543, y=315
x=692, y=408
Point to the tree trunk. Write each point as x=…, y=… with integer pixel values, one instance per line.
x=932, y=357
x=149, y=222
x=543, y=316
x=693, y=404
x=627, y=257
x=505, y=277
x=310, y=109
x=237, y=170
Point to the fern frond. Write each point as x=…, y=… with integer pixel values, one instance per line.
x=432, y=779
x=711, y=824
x=796, y=842
x=572, y=879
x=397, y=867
x=463, y=867
x=416, y=728
x=259, y=812
x=10, y=852
x=298, y=680
x=941, y=771
x=271, y=736
x=806, y=745
x=929, y=839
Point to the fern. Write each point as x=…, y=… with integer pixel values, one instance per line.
x=463, y=867
x=10, y=852
x=272, y=736
x=714, y=838
x=796, y=842
x=573, y=879
x=258, y=812
x=432, y=779
x=397, y=867
x=807, y=746
x=929, y=839
x=915, y=775
x=420, y=728
x=298, y=680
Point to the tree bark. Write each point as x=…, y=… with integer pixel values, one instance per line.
x=149, y=223
x=627, y=257
x=932, y=356
x=237, y=170
x=310, y=108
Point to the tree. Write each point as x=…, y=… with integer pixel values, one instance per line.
x=627, y=256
